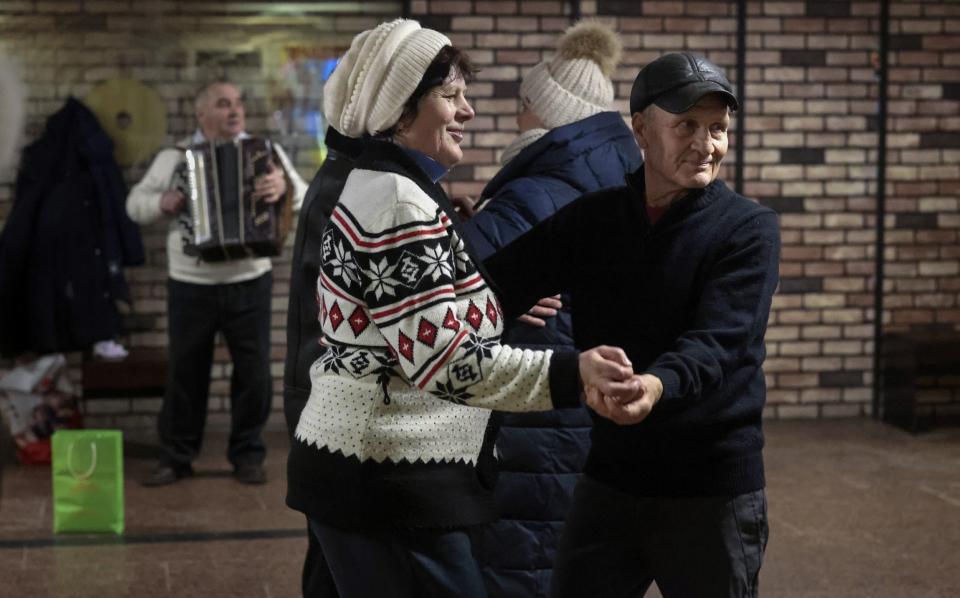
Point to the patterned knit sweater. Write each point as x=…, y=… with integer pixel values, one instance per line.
x=393, y=428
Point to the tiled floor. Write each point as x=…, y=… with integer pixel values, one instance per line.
x=857, y=509
x=206, y=536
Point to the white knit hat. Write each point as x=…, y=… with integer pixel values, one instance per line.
x=377, y=75
x=576, y=83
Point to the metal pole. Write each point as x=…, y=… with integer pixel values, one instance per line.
x=741, y=94
x=881, y=208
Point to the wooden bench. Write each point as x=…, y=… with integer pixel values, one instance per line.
x=910, y=362
x=143, y=373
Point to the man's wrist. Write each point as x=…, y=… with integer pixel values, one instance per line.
x=659, y=390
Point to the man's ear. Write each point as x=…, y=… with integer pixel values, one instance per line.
x=638, y=122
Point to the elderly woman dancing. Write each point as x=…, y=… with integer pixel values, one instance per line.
x=385, y=458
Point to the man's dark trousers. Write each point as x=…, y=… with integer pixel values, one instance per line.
x=241, y=312
x=615, y=545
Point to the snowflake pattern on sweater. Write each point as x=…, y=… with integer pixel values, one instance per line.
x=413, y=332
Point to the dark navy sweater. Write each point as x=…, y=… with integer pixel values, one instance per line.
x=688, y=300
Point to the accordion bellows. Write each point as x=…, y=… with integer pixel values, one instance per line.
x=224, y=220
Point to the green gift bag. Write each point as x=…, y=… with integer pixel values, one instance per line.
x=87, y=470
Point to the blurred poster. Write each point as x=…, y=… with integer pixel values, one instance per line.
x=297, y=102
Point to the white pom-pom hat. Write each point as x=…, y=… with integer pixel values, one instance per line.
x=575, y=83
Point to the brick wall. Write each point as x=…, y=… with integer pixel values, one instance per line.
x=812, y=156
x=810, y=142
x=922, y=245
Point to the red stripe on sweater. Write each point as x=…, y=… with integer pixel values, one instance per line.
x=345, y=224
x=412, y=302
x=443, y=360
x=468, y=283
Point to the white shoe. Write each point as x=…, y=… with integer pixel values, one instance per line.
x=109, y=350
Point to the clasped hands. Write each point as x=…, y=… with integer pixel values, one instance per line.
x=613, y=390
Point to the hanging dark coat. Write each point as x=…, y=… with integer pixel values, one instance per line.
x=66, y=240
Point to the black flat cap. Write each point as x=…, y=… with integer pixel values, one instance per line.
x=677, y=81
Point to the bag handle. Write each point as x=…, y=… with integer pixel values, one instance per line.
x=93, y=462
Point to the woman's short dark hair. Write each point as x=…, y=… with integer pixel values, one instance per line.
x=449, y=61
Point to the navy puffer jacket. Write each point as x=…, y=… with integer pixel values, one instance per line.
x=541, y=454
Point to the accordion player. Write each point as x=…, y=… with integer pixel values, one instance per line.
x=224, y=219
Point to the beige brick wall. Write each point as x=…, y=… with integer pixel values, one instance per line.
x=815, y=88
x=810, y=145
x=922, y=246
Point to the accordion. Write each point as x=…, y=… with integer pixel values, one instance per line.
x=223, y=220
